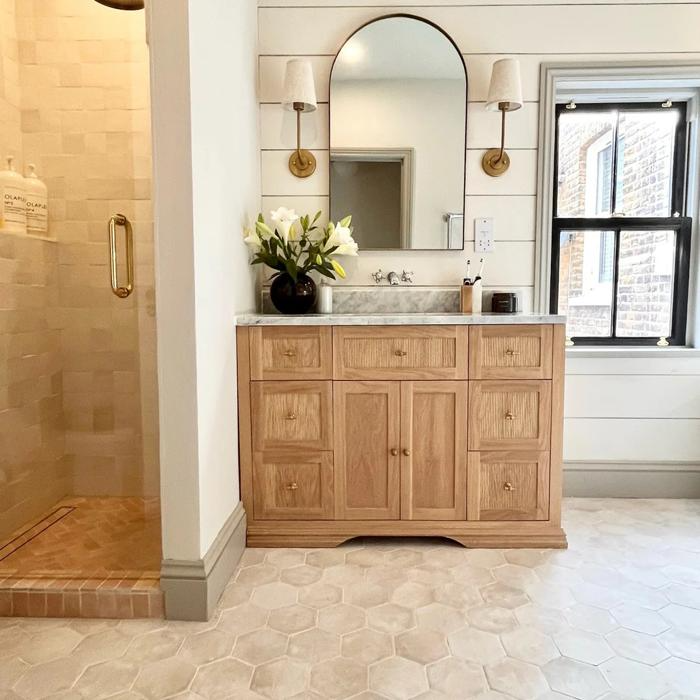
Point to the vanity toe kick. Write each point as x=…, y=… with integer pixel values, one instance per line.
x=451, y=430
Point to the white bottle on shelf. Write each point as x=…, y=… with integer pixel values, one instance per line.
x=37, y=203
x=13, y=207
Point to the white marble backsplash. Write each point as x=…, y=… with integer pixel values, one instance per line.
x=399, y=299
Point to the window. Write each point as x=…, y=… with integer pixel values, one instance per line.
x=620, y=240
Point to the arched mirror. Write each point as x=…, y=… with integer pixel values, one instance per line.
x=398, y=119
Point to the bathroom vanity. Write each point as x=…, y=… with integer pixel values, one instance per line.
x=422, y=425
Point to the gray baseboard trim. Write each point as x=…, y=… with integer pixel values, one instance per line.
x=632, y=479
x=193, y=588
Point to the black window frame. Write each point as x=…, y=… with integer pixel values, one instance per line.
x=681, y=225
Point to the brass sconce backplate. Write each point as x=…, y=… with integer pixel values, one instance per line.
x=302, y=163
x=495, y=164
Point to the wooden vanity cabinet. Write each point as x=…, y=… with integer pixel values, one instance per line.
x=444, y=430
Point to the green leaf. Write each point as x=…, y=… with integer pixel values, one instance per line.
x=317, y=217
x=291, y=268
x=346, y=221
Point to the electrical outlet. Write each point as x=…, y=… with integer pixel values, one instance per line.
x=483, y=235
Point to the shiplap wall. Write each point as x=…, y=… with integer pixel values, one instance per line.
x=640, y=411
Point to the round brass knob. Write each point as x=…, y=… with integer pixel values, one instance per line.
x=394, y=452
x=509, y=415
x=290, y=353
x=407, y=452
x=400, y=353
x=511, y=353
x=291, y=416
x=508, y=486
x=293, y=486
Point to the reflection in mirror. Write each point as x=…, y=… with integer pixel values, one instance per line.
x=398, y=98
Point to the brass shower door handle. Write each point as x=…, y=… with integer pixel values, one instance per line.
x=122, y=291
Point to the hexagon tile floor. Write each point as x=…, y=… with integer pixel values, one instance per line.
x=615, y=616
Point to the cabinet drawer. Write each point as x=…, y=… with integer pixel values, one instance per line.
x=293, y=486
x=510, y=352
x=508, y=486
x=509, y=415
x=292, y=414
x=289, y=352
x=400, y=352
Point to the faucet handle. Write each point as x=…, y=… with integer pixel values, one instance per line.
x=407, y=276
x=378, y=276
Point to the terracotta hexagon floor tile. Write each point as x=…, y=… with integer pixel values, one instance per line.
x=205, y=647
x=222, y=679
x=162, y=678
x=313, y=645
x=320, y=595
x=341, y=618
x=259, y=646
x=391, y=618
x=367, y=646
x=634, y=680
x=293, y=618
x=280, y=679
x=575, y=679
x=521, y=680
x=398, y=678
x=477, y=646
x=338, y=678
x=457, y=678
x=422, y=646
x=271, y=596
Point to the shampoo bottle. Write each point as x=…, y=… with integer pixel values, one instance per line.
x=13, y=208
x=37, y=203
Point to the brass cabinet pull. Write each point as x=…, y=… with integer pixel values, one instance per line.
x=508, y=486
x=293, y=486
x=400, y=353
x=291, y=416
x=290, y=353
x=394, y=452
x=407, y=452
x=511, y=353
x=122, y=291
x=509, y=415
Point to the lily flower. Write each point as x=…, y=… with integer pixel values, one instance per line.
x=341, y=238
x=284, y=219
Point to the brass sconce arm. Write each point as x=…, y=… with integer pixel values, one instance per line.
x=496, y=161
x=302, y=163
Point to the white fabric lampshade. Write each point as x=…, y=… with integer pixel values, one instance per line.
x=299, y=85
x=505, y=87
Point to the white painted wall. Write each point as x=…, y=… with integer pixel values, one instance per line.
x=637, y=417
x=226, y=196
x=206, y=187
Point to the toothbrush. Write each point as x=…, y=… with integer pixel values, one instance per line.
x=468, y=279
x=481, y=269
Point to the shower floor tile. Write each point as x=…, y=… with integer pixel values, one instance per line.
x=96, y=538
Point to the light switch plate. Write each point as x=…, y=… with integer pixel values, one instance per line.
x=483, y=235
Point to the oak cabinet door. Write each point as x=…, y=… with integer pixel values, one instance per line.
x=367, y=462
x=292, y=415
x=293, y=486
x=508, y=485
x=509, y=415
x=434, y=450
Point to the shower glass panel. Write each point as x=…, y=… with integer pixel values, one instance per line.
x=79, y=472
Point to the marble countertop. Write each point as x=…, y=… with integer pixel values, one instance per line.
x=402, y=319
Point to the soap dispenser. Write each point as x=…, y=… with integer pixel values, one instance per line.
x=13, y=210
x=37, y=203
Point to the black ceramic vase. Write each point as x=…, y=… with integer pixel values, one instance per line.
x=290, y=297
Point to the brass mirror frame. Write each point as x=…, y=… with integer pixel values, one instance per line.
x=407, y=15
x=123, y=4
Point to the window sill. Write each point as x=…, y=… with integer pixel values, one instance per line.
x=641, y=351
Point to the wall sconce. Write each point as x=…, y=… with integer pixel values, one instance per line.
x=300, y=96
x=505, y=95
